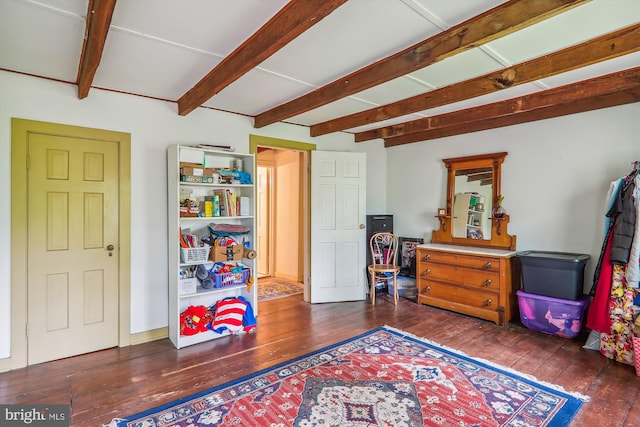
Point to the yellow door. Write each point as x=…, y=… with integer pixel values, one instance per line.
x=73, y=245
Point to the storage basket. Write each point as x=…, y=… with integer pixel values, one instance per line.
x=229, y=279
x=193, y=255
x=636, y=354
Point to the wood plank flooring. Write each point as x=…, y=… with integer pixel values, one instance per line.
x=122, y=381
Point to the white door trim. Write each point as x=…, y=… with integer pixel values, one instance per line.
x=256, y=141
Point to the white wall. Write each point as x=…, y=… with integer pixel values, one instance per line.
x=153, y=125
x=555, y=178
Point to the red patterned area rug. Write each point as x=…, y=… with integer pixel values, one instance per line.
x=384, y=377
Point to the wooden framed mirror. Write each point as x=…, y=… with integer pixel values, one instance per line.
x=473, y=191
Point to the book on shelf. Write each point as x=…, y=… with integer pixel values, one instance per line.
x=221, y=197
x=244, y=209
x=231, y=202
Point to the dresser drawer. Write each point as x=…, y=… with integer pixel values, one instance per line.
x=473, y=261
x=478, y=284
x=485, y=300
x=484, y=279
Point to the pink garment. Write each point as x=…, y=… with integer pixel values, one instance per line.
x=598, y=315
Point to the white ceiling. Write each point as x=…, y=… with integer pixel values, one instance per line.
x=162, y=48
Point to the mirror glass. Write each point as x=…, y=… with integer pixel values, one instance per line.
x=472, y=204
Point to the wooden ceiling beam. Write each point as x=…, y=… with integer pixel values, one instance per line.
x=480, y=177
x=608, y=46
x=293, y=19
x=98, y=20
x=613, y=89
x=490, y=25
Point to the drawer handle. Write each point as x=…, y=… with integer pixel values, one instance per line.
x=427, y=289
x=427, y=257
x=487, y=283
x=487, y=265
x=427, y=272
x=487, y=303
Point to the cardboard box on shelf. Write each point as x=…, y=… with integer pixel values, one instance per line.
x=195, y=169
x=197, y=179
x=226, y=253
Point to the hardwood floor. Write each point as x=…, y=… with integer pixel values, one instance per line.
x=122, y=381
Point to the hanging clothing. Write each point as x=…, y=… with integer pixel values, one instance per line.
x=632, y=273
x=617, y=343
x=612, y=195
x=624, y=211
x=598, y=312
x=612, y=310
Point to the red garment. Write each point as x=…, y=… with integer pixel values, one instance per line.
x=194, y=320
x=598, y=317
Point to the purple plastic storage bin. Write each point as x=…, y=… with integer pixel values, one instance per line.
x=553, y=316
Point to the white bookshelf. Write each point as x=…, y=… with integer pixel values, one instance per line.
x=178, y=300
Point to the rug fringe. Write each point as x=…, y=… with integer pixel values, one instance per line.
x=114, y=422
x=530, y=377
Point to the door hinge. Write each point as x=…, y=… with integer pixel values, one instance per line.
x=26, y=330
x=28, y=162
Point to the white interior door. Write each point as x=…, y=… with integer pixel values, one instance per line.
x=72, y=246
x=338, y=235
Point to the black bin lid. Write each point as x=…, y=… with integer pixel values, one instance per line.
x=559, y=256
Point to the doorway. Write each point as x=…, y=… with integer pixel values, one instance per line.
x=283, y=209
x=103, y=156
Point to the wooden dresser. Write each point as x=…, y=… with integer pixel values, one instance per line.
x=468, y=280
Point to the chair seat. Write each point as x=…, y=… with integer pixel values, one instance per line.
x=384, y=268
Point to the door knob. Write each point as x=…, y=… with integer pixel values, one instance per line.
x=110, y=247
x=361, y=226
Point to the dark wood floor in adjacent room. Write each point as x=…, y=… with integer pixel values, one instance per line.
x=122, y=381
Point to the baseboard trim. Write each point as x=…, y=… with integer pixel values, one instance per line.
x=148, y=336
x=9, y=364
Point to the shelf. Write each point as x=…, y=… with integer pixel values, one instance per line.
x=206, y=184
x=201, y=291
x=186, y=340
x=191, y=264
x=216, y=218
